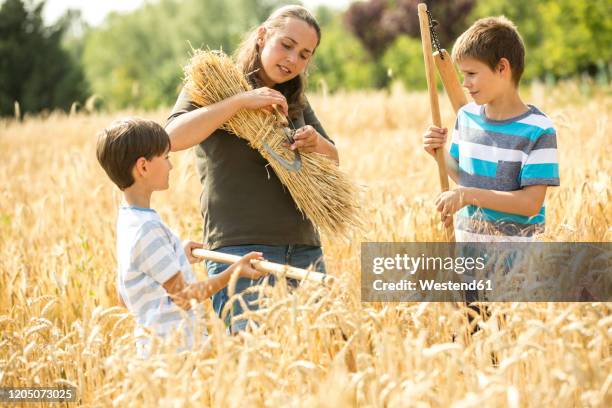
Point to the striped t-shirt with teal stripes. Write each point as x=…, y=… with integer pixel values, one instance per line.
x=148, y=255
x=504, y=155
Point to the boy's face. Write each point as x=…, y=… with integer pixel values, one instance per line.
x=483, y=83
x=158, y=172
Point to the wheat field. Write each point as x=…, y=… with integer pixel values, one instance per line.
x=60, y=322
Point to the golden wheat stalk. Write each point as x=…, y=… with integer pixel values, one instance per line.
x=321, y=191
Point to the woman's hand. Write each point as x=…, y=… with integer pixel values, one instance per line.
x=306, y=139
x=263, y=98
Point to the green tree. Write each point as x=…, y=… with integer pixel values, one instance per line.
x=562, y=37
x=35, y=70
x=340, y=62
x=404, y=61
x=377, y=23
x=136, y=59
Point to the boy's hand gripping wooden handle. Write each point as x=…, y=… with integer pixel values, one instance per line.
x=433, y=102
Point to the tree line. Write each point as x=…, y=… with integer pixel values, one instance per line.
x=135, y=59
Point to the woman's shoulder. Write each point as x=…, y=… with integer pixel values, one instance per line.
x=183, y=104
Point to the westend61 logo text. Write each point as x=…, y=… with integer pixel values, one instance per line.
x=412, y=264
x=497, y=272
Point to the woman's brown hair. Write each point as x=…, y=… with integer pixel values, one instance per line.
x=247, y=56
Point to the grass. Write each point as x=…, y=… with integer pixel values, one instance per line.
x=60, y=323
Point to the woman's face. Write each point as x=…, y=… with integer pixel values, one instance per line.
x=286, y=51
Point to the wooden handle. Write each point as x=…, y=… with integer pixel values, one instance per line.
x=429, y=67
x=433, y=101
x=450, y=79
x=274, y=268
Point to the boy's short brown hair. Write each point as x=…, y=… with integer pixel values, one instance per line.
x=491, y=39
x=122, y=143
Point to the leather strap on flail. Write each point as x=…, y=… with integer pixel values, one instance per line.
x=435, y=41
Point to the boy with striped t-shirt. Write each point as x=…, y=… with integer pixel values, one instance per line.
x=155, y=280
x=503, y=153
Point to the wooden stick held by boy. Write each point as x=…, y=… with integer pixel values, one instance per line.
x=433, y=102
x=450, y=79
x=270, y=267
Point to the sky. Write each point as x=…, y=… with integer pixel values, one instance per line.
x=94, y=11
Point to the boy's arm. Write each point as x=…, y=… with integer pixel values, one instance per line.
x=526, y=201
x=182, y=293
x=452, y=168
x=154, y=255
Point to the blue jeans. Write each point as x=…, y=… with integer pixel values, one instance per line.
x=299, y=256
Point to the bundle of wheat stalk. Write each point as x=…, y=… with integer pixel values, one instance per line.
x=321, y=191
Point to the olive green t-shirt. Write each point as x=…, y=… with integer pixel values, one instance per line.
x=243, y=201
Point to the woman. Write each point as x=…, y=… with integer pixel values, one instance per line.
x=243, y=203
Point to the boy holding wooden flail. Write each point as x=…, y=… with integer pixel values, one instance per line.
x=503, y=153
x=155, y=279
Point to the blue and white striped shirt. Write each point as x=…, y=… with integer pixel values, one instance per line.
x=148, y=255
x=504, y=155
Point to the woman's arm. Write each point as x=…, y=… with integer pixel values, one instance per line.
x=192, y=128
x=328, y=149
x=313, y=138
x=308, y=140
